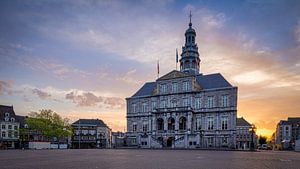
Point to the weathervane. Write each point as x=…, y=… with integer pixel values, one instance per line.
x=190, y=18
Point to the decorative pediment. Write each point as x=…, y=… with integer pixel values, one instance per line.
x=173, y=74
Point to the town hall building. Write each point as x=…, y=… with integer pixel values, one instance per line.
x=184, y=109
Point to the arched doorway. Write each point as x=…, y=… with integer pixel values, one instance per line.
x=170, y=141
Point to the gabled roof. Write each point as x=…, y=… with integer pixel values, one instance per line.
x=212, y=81
x=174, y=74
x=96, y=122
x=146, y=90
x=242, y=122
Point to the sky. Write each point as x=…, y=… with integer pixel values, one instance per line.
x=83, y=58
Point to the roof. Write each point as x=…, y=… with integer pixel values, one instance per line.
x=242, y=122
x=21, y=119
x=294, y=119
x=146, y=90
x=211, y=81
x=6, y=109
x=290, y=121
x=96, y=122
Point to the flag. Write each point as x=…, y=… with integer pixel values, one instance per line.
x=176, y=56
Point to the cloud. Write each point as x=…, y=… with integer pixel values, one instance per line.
x=251, y=78
x=5, y=87
x=41, y=94
x=86, y=99
x=60, y=71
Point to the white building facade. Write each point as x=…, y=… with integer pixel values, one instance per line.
x=184, y=109
x=9, y=130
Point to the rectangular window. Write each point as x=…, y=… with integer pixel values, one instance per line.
x=173, y=103
x=144, y=107
x=198, y=124
x=15, y=134
x=210, y=102
x=153, y=105
x=16, y=127
x=145, y=127
x=185, y=86
x=9, y=127
x=185, y=102
x=163, y=88
x=134, y=108
x=163, y=104
x=224, y=100
x=134, y=127
x=197, y=103
x=9, y=134
x=174, y=87
x=210, y=123
x=3, y=126
x=3, y=134
x=224, y=123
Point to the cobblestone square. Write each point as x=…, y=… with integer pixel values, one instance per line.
x=147, y=159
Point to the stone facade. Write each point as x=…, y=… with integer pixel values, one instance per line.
x=245, y=135
x=10, y=125
x=287, y=132
x=90, y=133
x=184, y=109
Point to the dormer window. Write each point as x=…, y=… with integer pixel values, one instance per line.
x=12, y=119
x=6, y=119
x=6, y=114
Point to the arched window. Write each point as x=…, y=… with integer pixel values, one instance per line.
x=187, y=64
x=182, y=123
x=189, y=39
x=160, y=124
x=193, y=39
x=194, y=64
x=171, y=123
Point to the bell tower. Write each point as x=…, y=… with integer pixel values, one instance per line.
x=190, y=61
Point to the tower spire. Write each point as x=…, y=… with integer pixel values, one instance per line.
x=190, y=24
x=190, y=61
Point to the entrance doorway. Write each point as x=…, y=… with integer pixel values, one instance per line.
x=170, y=141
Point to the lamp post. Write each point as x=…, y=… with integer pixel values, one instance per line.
x=252, y=130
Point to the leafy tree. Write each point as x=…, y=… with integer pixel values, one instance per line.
x=262, y=140
x=49, y=123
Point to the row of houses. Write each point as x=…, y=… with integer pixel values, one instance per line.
x=87, y=133
x=287, y=134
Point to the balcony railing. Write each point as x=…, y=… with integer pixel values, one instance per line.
x=173, y=109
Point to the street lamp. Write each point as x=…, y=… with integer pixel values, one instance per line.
x=252, y=130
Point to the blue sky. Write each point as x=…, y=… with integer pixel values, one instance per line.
x=82, y=58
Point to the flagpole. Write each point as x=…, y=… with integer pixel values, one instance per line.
x=157, y=69
x=176, y=58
